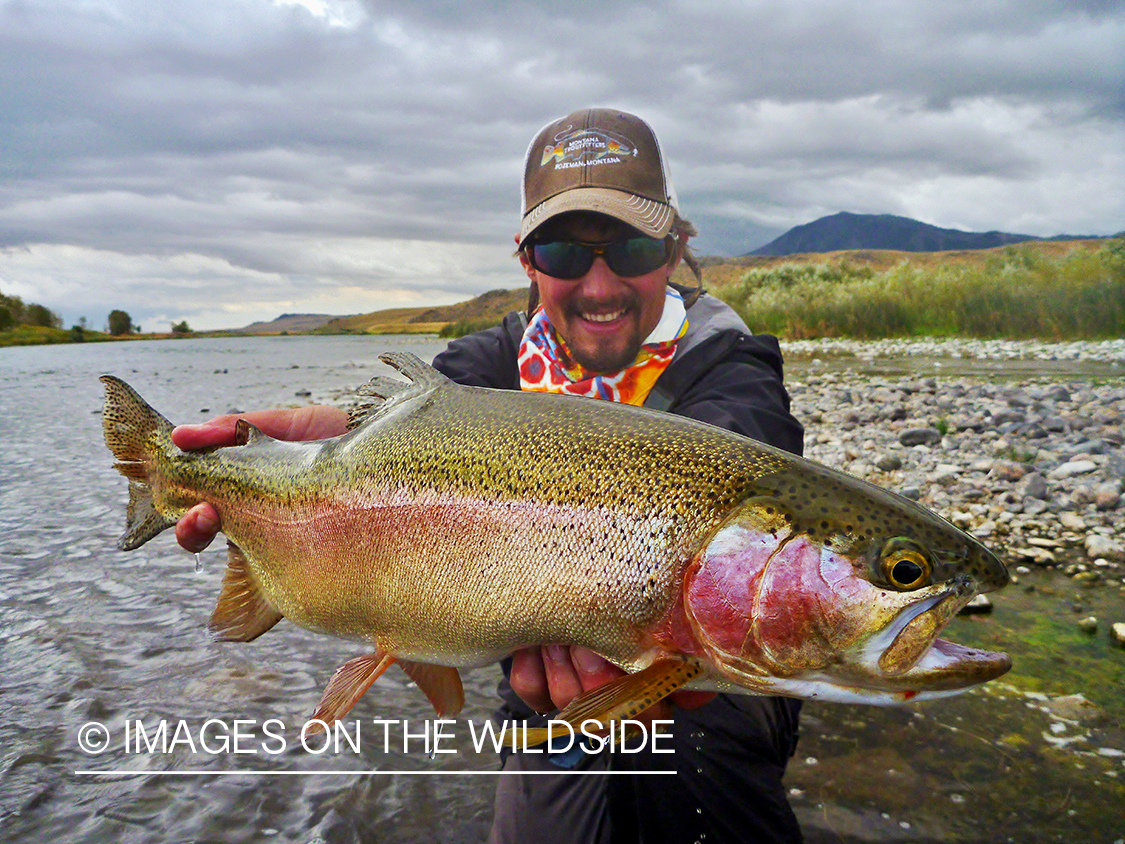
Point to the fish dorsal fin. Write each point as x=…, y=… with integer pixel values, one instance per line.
x=242, y=613
x=348, y=684
x=441, y=684
x=377, y=396
x=417, y=370
x=380, y=394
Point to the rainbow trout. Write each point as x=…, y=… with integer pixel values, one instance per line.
x=452, y=525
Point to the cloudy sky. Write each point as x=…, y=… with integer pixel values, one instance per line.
x=223, y=161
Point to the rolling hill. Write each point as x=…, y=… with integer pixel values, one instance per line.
x=886, y=231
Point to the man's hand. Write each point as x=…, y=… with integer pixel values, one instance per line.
x=552, y=676
x=199, y=525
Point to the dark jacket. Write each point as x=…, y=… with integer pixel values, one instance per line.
x=730, y=754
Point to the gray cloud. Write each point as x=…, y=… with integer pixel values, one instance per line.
x=199, y=150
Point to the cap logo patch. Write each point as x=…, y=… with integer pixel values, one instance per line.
x=587, y=147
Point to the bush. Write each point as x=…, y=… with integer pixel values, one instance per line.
x=42, y=316
x=467, y=326
x=120, y=323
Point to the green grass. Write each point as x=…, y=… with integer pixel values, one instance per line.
x=467, y=326
x=1016, y=292
x=38, y=335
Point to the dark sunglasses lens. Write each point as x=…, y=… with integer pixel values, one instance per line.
x=636, y=256
x=631, y=257
x=561, y=259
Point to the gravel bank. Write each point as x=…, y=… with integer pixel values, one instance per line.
x=1104, y=351
x=1033, y=468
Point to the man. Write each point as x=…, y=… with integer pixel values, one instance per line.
x=600, y=238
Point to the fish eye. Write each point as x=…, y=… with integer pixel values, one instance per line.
x=904, y=565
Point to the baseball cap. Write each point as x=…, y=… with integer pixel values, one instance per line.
x=598, y=159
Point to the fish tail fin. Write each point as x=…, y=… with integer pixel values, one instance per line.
x=131, y=430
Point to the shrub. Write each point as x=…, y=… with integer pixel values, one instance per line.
x=120, y=323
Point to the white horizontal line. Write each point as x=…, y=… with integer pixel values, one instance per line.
x=563, y=771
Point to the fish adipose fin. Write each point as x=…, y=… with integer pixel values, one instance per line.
x=380, y=394
x=441, y=684
x=348, y=684
x=242, y=613
x=247, y=434
x=625, y=697
x=132, y=429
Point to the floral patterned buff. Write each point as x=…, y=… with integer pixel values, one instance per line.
x=546, y=365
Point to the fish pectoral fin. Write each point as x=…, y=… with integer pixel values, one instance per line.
x=440, y=683
x=625, y=697
x=242, y=613
x=348, y=684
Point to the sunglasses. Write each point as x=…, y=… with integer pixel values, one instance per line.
x=571, y=259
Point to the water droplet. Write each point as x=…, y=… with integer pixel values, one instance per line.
x=198, y=564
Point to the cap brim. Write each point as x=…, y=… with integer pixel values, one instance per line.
x=646, y=215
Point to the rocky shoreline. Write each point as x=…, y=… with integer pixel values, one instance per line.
x=1033, y=467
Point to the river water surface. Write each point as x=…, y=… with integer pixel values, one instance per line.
x=91, y=635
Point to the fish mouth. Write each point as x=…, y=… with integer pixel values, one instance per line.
x=948, y=666
x=909, y=655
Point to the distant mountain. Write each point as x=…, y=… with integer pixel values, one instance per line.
x=488, y=307
x=295, y=323
x=884, y=231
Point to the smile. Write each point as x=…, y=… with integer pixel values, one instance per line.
x=604, y=317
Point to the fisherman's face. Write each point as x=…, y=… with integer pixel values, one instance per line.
x=602, y=317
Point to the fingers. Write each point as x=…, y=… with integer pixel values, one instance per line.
x=216, y=432
x=592, y=669
x=314, y=422
x=199, y=525
x=562, y=678
x=529, y=681
x=551, y=677
x=197, y=528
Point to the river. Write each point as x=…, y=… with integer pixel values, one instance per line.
x=91, y=635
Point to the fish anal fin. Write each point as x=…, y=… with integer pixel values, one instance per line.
x=242, y=613
x=348, y=684
x=440, y=683
x=628, y=696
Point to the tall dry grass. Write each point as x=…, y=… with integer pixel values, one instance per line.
x=1016, y=292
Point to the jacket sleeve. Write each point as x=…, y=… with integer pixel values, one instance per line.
x=743, y=392
x=485, y=359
